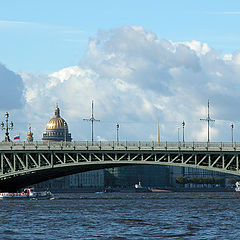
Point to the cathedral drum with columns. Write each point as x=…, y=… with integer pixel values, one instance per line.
x=57, y=129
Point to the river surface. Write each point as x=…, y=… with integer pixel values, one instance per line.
x=123, y=216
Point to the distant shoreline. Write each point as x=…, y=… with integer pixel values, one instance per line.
x=132, y=190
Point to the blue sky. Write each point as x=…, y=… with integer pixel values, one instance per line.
x=140, y=61
x=45, y=36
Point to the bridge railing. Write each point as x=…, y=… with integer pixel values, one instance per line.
x=121, y=145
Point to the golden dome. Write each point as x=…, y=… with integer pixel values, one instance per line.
x=57, y=122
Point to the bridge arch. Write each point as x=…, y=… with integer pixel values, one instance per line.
x=26, y=164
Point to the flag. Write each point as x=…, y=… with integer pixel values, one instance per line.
x=16, y=138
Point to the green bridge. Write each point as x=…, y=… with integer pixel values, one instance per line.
x=27, y=163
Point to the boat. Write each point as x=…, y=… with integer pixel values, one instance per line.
x=27, y=193
x=140, y=188
x=237, y=188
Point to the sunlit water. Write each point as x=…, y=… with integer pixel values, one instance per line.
x=123, y=216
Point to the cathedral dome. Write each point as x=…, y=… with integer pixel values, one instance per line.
x=57, y=129
x=57, y=122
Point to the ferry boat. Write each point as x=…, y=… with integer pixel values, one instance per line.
x=27, y=193
x=237, y=188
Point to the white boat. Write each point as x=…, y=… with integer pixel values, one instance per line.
x=139, y=185
x=237, y=188
x=27, y=193
x=140, y=188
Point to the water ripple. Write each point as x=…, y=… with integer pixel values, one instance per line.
x=123, y=216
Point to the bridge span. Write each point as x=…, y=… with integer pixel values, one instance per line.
x=26, y=163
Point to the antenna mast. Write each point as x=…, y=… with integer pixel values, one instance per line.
x=208, y=119
x=158, y=133
x=92, y=120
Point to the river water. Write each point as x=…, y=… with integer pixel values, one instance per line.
x=123, y=216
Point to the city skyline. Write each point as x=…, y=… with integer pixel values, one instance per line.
x=139, y=62
x=116, y=139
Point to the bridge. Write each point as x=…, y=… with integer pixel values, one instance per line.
x=26, y=163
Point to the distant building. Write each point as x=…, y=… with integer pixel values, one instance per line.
x=57, y=184
x=57, y=129
x=128, y=176
x=87, y=179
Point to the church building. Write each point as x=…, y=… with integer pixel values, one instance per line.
x=57, y=129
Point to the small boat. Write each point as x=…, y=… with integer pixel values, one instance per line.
x=140, y=188
x=237, y=188
x=27, y=193
x=139, y=185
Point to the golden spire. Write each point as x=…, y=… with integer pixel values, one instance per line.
x=158, y=133
x=29, y=134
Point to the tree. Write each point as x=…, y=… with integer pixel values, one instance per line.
x=181, y=180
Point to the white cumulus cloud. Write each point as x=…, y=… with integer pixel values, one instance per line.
x=135, y=78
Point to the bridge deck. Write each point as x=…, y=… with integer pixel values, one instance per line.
x=104, y=145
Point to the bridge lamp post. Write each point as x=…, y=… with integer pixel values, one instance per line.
x=183, y=125
x=178, y=134
x=7, y=127
x=208, y=120
x=65, y=131
x=92, y=120
x=232, y=132
x=117, y=128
